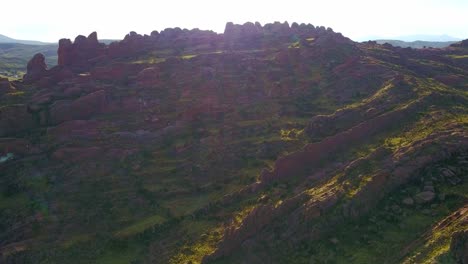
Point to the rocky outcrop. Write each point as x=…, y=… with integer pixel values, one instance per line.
x=254, y=35
x=36, y=69
x=79, y=55
x=300, y=163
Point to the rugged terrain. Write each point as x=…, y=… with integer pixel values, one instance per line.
x=266, y=144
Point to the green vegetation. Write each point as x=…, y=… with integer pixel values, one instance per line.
x=140, y=226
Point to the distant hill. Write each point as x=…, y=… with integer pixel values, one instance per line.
x=416, y=44
x=5, y=39
x=108, y=41
x=430, y=38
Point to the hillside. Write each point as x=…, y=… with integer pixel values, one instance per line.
x=266, y=144
x=5, y=39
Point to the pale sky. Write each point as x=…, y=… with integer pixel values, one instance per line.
x=50, y=20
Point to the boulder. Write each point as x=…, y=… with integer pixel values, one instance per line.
x=80, y=109
x=36, y=69
x=424, y=197
x=429, y=188
x=408, y=201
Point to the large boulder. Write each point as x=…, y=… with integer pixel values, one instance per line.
x=80, y=109
x=36, y=69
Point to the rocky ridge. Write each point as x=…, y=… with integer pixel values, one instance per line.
x=182, y=124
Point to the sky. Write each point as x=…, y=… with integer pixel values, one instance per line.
x=51, y=20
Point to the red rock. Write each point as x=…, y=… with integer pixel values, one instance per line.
x=36, y=69
x=78, y=55
x=82, y=108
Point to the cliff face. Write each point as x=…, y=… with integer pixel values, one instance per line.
x=277, y=143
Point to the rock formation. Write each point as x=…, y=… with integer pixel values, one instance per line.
x=36, y=69
x=79, y=54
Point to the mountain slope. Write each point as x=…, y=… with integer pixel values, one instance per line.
x=5, y=39
x=274, y=143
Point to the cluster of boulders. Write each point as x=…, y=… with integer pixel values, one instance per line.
x=79, y=54
x=254, y=35
x=428, y=195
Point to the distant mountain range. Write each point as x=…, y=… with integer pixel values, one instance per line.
x=416, y=44
x=430, y=38
x=5, y=39
x=411, y=38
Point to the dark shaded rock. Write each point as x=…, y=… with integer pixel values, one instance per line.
x=80, y=109
x=408, y=201
x=424, y=197
x=36, y=69
x=79, y=55
x=429, y=188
